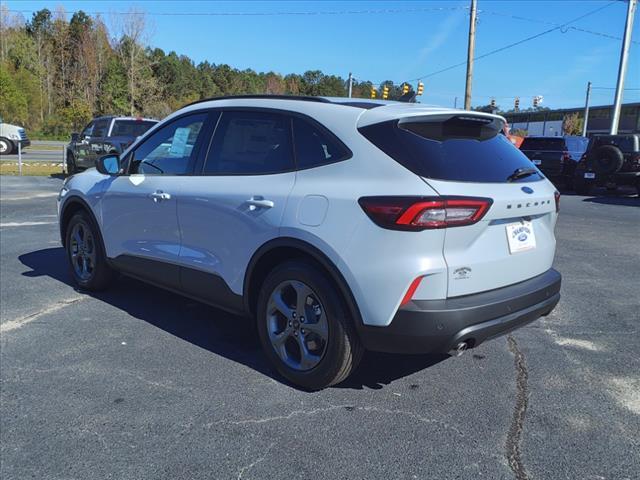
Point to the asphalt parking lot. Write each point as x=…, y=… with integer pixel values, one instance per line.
x=138, y=383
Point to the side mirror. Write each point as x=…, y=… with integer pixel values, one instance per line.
x=75, y=136
x=108, y=164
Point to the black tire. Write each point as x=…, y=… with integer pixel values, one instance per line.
x=343, y=350
x=100, y=275
x=6, y=146
x=605, y=160
x=72, y=169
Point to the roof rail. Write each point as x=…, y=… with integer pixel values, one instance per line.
x=305, y=98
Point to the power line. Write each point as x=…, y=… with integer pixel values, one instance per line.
x=542, y=93
x=612, y=88
x=272, y=14
x=519, y=42
x=546, y=22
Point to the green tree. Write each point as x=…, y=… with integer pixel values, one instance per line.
x=572, y=124
x=113, y=89
x=13, y=107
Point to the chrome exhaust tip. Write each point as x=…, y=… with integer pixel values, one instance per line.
x=459, y=349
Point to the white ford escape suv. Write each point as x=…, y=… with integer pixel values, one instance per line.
x=339, y=225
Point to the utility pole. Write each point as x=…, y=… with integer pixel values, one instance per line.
x=470, y=54
x=586, y=110
x=350, y=84
x=622, y=70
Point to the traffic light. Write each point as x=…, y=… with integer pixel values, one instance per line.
x=517, y=104
x=537, y=100
x=493, y=103
x=385, y=92
x=374, y=93
x=405, y=88
x=420, y=88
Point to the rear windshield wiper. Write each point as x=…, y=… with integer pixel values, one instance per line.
x=521, y=173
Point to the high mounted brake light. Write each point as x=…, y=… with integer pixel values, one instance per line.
x=422, y=213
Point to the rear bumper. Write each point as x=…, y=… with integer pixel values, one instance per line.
x=619, y=178
x=436, y=326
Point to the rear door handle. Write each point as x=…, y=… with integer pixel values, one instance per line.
x=159, y=196
x=259, y=202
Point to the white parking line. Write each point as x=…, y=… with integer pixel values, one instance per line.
x=30, y=197
x=24, y=224
x=20, y=322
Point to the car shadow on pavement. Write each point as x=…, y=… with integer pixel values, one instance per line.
x=212, y=329
x=629, y=201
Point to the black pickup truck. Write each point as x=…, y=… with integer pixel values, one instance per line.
x=556, y=157
x=109, y=134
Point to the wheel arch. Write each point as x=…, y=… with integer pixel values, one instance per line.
x=278, y=250
x=72, y=206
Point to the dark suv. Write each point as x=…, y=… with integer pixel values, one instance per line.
x=104, y=135
x=610, y=161
x=556, y=157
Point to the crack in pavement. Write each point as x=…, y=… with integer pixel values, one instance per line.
x=512, y=446
x=246, y=468
x=348, y=407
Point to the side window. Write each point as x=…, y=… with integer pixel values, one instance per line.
x=100, y=128
x=170, y=150
x=250, y=143
x=87, y=130
x=314, y=147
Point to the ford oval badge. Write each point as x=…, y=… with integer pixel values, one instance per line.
x=527, y=190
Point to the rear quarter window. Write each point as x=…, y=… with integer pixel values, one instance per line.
x=314, y=147
x=456, y=156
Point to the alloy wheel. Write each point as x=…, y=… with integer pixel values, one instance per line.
x=297, y=325
x=82, y=249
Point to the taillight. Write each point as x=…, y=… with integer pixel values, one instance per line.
x=556, y=194
x=421, y=213
x=565, y=157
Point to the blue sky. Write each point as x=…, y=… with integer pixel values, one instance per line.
x=416, y=40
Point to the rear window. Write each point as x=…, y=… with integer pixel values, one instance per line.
x=555, y=144
x=454, y=151
x=130, y=128
x=626, y=144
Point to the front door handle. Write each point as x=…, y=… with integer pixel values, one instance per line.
x=159, y=196
x=259, y=202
